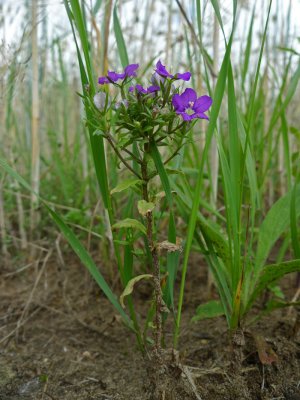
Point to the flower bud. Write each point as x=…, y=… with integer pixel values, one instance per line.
x=100, y=100
x=120, y=103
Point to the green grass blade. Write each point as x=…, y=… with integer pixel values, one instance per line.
x=253, y=93
x=248, y=49
x=172, y=258
x=96, y=7
x=294, y=220
x=286, y=148
x=217, y=101
x=79, y=22
x=97, y=144
x=276, y=222
x=289, y=95
x=216, y=7
x=270, y=274
x=120, y=40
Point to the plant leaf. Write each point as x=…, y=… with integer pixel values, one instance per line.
x=126, y=184
x=172, y=258
x=276, y=221
x=266, y=354
x=170, y=247
x=120, y=39
x=130, y=285
x=145, y=207
x=211, y=309
x=270, y=274
x=130, y=223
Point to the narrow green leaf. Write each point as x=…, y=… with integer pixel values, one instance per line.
x=294, y=220
x=274, y=224
x=172, y=258
x=120, y=40
x=253, y=94
x=96, y=7
x=79, y=22
x=217, y=100
x=248, y=49
x=216, y=7
x=270, y=274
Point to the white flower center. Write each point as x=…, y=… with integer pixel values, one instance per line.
x=190, y=110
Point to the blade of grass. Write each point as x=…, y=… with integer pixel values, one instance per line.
x=294, y=224
x=217, y=101
x=172, y=258
x=120, y=39
x=248, y=49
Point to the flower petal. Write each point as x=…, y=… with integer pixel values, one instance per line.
x=177, y=103
x=186, y=117
x=202, y=104
x=153, y=88
x=140, y=89
x=130, y=70
x=114, y=76
x=102, y=80
x=189, y=95
x=186, y=76
x=161, y=70
x=201, y=116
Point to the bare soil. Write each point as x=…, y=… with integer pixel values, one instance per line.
x=60, y=339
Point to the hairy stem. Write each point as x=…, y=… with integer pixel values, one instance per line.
x=156, y=269
x=121, y=157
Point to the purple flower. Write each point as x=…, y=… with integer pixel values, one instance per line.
x=189, y=106
x=130, y=70
x=153, y=88
x=161, y=70
x=186, y=76
x=102, y=80
x=113, y=77
x=141, y=90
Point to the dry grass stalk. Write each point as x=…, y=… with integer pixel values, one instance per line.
x=35, y=140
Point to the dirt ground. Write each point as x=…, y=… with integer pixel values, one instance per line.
x=60, y=339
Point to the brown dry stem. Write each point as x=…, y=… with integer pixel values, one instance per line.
x=156, y=270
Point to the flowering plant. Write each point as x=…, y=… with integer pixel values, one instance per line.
x=146, y=127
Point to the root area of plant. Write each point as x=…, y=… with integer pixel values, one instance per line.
x=61, y=340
